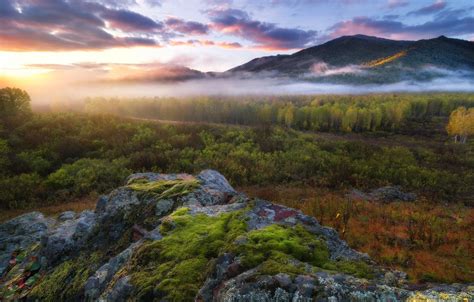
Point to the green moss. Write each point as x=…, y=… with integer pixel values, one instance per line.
x=175, y=267
x=180, y=212
x=281, y=263
x=66, y=282
x=296, y=242
x=162, y=189
x=356, y=268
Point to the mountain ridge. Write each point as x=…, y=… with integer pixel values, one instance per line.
x=408, y=59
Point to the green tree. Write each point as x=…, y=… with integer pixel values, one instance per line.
x=4, y=150
x=289, y=115
x=349, y=120
x=14, y=104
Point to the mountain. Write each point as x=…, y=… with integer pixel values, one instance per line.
x=178, y=237
x=161, y=73
x=368, y=59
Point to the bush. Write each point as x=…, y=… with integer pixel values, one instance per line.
x=20, y=191
x=88, y=175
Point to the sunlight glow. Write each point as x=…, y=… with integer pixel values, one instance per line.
x=24, y=72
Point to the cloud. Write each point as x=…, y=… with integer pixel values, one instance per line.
x=129, y=21
x=154, y=3
x=450, y=24
x=265, y=35
x=397, y=3
x=186, y=27
x=323, y=69
x=118, y=4
x=390, y=17
x=430, y=9
x=71, y=25
x=206, y=43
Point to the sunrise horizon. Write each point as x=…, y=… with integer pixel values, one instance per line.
x=108, y=37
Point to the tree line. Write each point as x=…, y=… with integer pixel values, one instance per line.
x=358, y=113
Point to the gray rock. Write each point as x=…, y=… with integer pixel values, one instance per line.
x=390, y=279
x=115, y=214
x=215, y=210
x=21, y=233
x=68, y=215
x=216, y=277
x=163, y=207
x=284, y=281
x=392, y=193
x=120, y=292
x=116, y=202
x=96, y=284
x=67, y=237
x=214, y=189
x=383, y=194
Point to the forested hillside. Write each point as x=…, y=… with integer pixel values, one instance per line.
x=361, y=59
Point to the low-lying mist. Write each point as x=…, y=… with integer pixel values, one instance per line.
x=55, y=90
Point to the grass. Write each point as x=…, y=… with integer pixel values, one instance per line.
x=66, y=281
x=163, y=189
x=429, y=241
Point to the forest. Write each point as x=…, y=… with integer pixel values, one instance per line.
x=339, y=113
x=324, y=145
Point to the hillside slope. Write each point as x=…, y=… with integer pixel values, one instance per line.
x=368, y=59
x=177, y=237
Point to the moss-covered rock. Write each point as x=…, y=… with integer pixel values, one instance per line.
x=66, y=281
x=183, y=238
x=164, y=189
x=175, y=267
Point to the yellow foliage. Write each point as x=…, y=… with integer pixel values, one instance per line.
x=461, y=123
x=382, y=61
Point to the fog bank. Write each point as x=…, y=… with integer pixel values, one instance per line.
x=52, y=91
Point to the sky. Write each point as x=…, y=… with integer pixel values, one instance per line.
x=109, y=38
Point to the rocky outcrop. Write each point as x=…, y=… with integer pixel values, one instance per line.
x=178, y=237
x=21, y=233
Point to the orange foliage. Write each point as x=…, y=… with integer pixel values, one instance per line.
x=429, y=241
